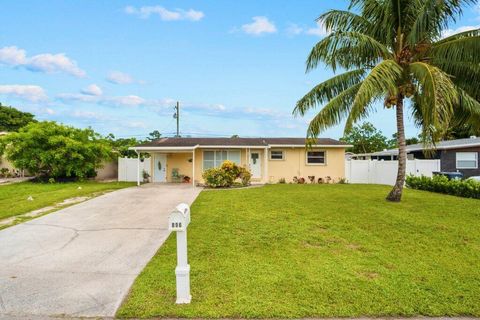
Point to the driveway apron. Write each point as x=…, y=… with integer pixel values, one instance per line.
x=82, y=260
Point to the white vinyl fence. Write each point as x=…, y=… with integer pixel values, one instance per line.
x=127, y=168
x=385, y=172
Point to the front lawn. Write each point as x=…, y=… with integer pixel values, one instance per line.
x=13, y=197
x=320, y=251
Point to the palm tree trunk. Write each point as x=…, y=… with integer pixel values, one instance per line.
x=396, y=193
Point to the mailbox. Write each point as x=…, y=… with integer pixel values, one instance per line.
x=178, y=221
x=179, y=218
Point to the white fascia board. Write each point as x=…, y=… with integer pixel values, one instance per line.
x=163, y=148
x=313, y=146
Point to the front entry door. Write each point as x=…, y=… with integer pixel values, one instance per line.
x=256, y=165
x=160, y=168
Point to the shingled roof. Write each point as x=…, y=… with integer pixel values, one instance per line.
x=237, y=142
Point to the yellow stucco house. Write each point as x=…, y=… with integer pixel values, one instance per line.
x=268, y=159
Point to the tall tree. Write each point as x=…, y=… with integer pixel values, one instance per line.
x=393, y=51
x=154, y=135
x=365, y=138
x=12, y=119
x=393, y=143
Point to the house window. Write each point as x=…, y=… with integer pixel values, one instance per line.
x=276, y=155
x=315, y=157
x=467, y=160
x=214, y=159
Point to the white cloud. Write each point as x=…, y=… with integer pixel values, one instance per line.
x=293, y=29
x=451, y=32
x=165, y=14
x=27, y=92
x=125, y=101
x=77, y=97
x=13, y=56
x=118, y=77
x=319, y=30
x=82, y=114
x=45, y=62
x=116, y=101
x=259, y=26
x=92, y=90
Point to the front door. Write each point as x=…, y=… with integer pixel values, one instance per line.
x=160, y=168
x=256, y=165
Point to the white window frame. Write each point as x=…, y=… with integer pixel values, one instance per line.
x=316, y=164
x=215, y=156
x=283, y=155
x=476, y=160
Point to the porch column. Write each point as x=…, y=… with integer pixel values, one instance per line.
x=193, y=169
x=265, y=166
x=138, y=168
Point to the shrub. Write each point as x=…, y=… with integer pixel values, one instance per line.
x=226, y=175
x=4, y=172
x=281, y=181
x=51, y=150
x=441, y=184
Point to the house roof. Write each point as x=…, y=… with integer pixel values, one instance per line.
x=235, y=142
x=441, y=145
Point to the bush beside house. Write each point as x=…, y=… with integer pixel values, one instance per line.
x=226, y=176
x=50, y=150
x=441, y=184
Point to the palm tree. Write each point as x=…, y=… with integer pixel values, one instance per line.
x=393, y=51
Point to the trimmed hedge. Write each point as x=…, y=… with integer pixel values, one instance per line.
x=441, y=184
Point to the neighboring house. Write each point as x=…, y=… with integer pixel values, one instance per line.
x=268, y=159
x=455, y=155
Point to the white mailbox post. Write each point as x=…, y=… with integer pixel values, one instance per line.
x=178, y=221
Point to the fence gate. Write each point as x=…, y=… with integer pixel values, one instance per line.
x=127, y=168
x=385, y=172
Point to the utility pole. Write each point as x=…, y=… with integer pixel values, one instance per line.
x=177, y=116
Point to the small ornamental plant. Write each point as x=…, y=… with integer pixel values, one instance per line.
x=226, y=175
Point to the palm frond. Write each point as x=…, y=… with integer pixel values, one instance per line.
x=327, y=90
x=344, y=20
x=347, y=50
x=468, y=110
x=464, y=75
x=427, y=18
x=436, y=96
x=333, y=112
x=460, y=35
x=381, y=80
x=464, y=48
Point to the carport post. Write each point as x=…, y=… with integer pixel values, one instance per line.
x=138, y=167
x=193, y=169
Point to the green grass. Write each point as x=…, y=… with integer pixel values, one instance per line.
x=13, y=197
x=293, y=251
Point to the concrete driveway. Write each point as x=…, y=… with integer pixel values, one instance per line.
x=82, y=260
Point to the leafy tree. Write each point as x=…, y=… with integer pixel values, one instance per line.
x=365, y=138
x=12, y=119
x=120, y=146
x=393, y=143
x=393, y=51
x=154, y=135
x=51, y=150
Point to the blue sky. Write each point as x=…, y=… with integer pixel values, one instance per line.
x=237, y=67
